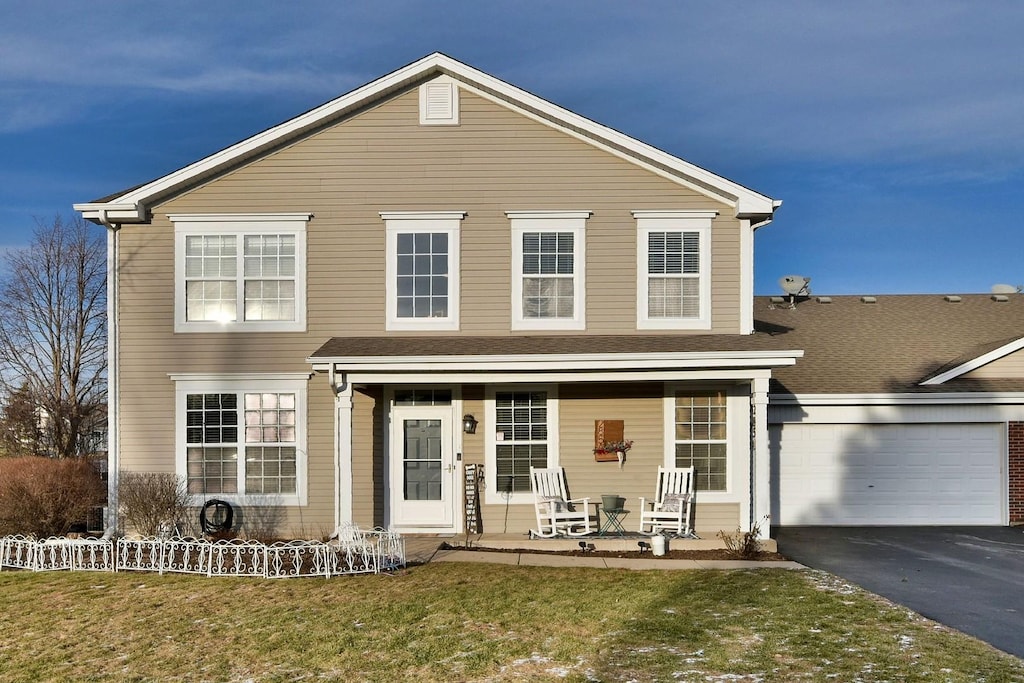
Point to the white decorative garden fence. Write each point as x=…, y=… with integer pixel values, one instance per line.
x=354, y=552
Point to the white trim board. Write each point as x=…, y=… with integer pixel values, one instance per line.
x=976, y=363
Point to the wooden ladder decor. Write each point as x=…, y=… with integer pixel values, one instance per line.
x=474, y=475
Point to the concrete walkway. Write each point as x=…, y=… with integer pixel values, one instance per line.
x=420, y=550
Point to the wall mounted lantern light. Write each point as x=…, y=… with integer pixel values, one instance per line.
x=469, y=424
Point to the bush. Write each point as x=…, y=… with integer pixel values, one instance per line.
x=46, y=497
x=152, y=502
x=745, y=544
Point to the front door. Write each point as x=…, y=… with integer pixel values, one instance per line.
x=422, y=471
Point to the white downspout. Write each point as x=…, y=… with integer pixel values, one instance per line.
x=113, y=442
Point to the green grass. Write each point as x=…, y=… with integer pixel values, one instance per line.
x=475, y=622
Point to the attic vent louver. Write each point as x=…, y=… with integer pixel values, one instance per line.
x=952, y=298
x=439, y=102
x=868, y=300
x=1001, y=298
x=824, y=299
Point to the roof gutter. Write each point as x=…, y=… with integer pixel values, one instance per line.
x=108, y=214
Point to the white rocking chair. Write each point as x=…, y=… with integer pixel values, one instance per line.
x=673, y=504
x=556, y=514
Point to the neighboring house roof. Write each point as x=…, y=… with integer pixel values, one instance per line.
x=133, y=205
x=896, y=344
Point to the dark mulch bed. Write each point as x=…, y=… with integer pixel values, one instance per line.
x=706, y=554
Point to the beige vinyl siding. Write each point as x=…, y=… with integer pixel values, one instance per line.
x=382, y=160
x=641, y=408
x=1007, y=367
x=495, y=161
x=368, y=469
x=710, y=518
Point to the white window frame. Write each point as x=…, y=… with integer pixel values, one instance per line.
x=737, y=434
x=399, y=222
x=290, y=383
x=574, y=222
x=673, y=221
x=493, y=496
x=239, y=225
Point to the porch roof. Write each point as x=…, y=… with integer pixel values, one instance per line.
x=544, y=345
x=551, y=357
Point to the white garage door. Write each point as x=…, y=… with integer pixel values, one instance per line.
x=913, y=474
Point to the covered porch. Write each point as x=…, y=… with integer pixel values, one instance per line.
x=405, y=459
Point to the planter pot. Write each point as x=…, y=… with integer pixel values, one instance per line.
x=612, y=502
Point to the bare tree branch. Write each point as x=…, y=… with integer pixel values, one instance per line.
x=53, y=332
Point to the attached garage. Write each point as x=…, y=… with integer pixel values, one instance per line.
x=888, y=474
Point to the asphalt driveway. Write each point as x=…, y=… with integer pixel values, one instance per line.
x=969, y=578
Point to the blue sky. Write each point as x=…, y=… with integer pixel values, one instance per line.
x=893, y=132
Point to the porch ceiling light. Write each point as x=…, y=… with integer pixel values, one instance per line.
x=469, y=424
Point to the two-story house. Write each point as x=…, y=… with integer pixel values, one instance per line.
x=304, y=323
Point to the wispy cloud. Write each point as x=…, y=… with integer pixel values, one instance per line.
x=868, y=81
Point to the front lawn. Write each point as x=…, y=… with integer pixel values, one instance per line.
x=451, y=621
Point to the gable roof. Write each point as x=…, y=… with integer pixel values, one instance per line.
x=132, y=205
x=918, y=343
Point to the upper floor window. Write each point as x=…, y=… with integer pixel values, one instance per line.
x=422, y=270
x=673, y=269
x=548, y=262
x=240, y=272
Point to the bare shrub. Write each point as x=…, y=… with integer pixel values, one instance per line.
x=152, y=501
x=46, y=497
x=741, y=543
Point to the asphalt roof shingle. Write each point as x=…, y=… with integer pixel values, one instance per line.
x=849, y=347
x=893, y=344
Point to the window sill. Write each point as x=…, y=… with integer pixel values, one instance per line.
x=673, y=324
x=549, y=324
x=293, y=500
x=493, y=498
x=446, y=326
x=214, y=327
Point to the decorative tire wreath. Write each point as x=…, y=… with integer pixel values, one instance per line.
x=216, y=516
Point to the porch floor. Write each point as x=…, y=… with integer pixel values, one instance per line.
x=422, y=546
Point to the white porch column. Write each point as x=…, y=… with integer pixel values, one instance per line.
x=342, y=453
x=761, y=493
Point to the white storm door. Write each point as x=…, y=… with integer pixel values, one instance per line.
x=422, y=467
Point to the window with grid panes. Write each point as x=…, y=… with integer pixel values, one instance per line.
x=701, y=430
x=547, y=278
x=245, y=272
x=521, y=418
x=422, y=269
x=263, y=431
x=422, y=275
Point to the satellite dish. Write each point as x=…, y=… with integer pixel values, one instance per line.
x=795, y=285
x=1004, y=289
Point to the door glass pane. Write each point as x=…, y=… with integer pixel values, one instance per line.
x=422, y=459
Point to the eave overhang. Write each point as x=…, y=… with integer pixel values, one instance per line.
x=737, y=365
x=112, y=212
x=975, y=363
